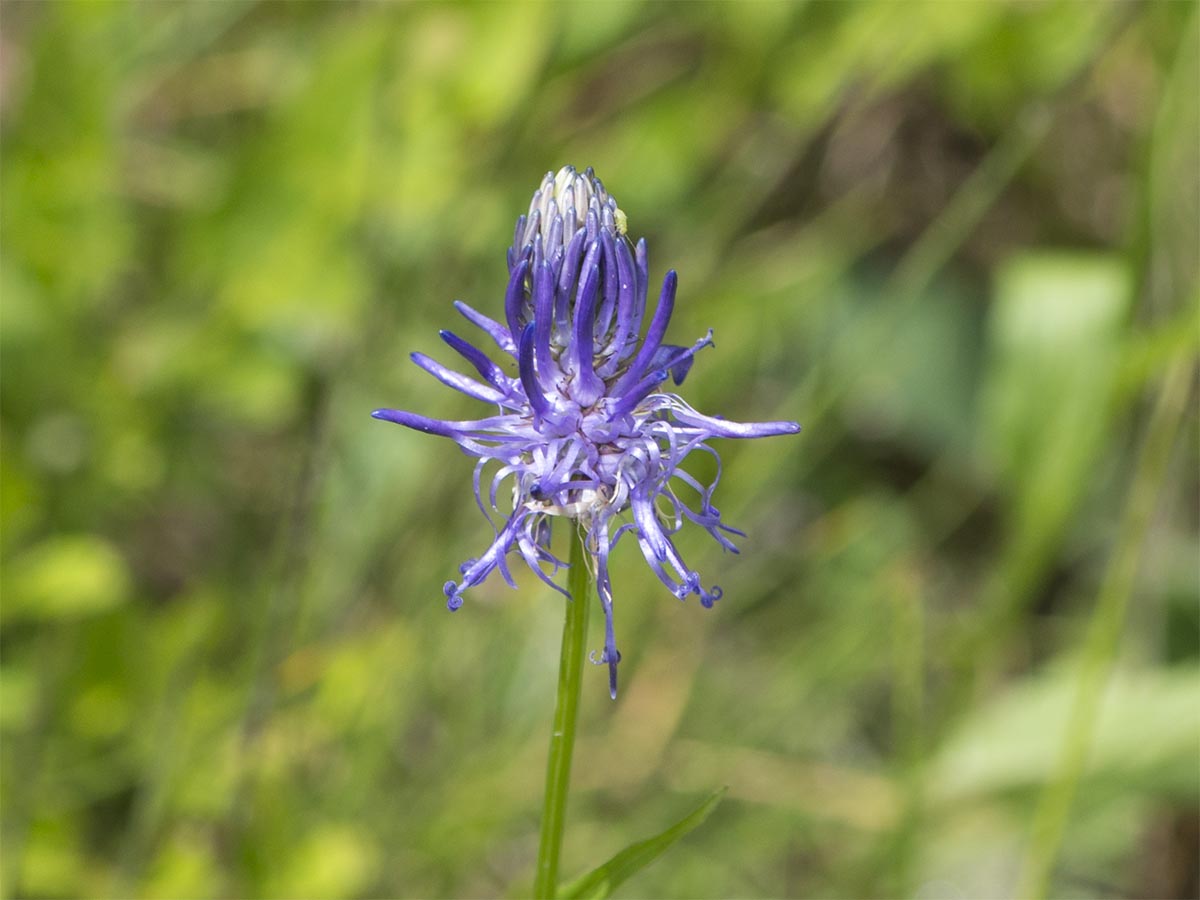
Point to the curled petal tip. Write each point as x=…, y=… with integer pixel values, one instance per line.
x=767, y=429
x=609, y=657
x=454, y=599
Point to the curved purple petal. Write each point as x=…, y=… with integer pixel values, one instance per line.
x=491, y=372
x=718, y=427
x=654, y=336
x=515, y=300
x=489, y=326
x=543, y=320
x=533, y=390
x=625, y=330
x=586, y=387
x=458, y=381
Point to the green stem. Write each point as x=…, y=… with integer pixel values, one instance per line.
x=566, y=710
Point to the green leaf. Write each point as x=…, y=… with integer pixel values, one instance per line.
x=1145, y=739
x=66, y=577
x=603, y=880
x=1054, y=352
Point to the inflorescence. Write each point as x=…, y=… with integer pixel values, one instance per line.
x=584, y=429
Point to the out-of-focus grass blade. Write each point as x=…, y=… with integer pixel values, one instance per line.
x=601, y=881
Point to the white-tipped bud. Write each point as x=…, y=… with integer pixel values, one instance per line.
x=569, y=194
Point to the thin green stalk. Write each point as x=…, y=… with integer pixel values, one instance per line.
x=908, y=712
x=566, y=710
x=1100, y=645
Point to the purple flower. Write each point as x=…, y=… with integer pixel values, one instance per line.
x=584, y=429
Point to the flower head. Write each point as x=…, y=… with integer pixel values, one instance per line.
x=584, y=428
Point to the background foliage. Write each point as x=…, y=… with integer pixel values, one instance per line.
x=956, y=240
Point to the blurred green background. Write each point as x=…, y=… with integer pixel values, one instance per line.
x=958, y=241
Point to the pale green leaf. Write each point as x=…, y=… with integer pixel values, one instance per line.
x=1054, y=351
x=66, y=577
x=1146, y=737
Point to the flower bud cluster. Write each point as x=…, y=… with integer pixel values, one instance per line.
x=583, y=430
